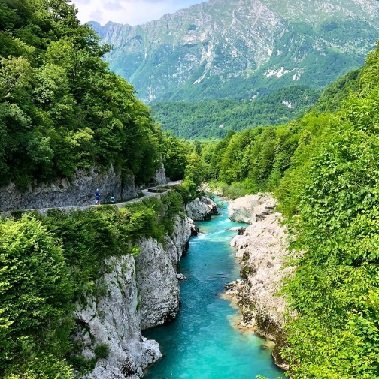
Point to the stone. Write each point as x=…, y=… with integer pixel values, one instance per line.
x=262, y=251
x=160, y=176
x=156, y=270
x=201, y=209
x=76, y=192
x=251, y=208
x=138, y=293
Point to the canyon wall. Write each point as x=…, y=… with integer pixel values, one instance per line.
x=78, y=191
x=135, y=293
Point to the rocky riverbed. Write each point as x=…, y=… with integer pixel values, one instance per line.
x=262, y=250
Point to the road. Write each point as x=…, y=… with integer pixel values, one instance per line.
x=149, y=192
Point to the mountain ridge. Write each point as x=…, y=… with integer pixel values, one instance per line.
x=242, y=48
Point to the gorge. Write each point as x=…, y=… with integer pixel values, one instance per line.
x=82, y=285
x=203, y=341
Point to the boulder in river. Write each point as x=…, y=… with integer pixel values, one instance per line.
x=201, y=209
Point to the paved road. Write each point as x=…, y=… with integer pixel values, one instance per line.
x=157, y=191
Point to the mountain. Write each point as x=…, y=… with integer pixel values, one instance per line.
x=241, y=48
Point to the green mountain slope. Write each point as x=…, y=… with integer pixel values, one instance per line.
x=215, y=118
x=324, y=170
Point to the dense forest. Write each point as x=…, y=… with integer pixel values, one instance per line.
x=324, y=170
x=215, y=118
x=61, y=108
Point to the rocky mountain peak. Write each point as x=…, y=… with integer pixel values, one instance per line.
x=242, y=48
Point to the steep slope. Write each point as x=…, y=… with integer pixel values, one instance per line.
x=323, y=169
x=242, y=48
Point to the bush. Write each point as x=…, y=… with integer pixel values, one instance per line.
x=36, y=292
x=101, y=351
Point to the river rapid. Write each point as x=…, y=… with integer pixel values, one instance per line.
x=202, y=343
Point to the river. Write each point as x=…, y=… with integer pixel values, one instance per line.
x=201, y=343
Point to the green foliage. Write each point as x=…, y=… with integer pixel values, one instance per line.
x=36, y=294
x=102, y=351
x=43, y=367
x=174, y=152
x=61, y=109
x=215, y=118
x=324, y=171
x=252, y=160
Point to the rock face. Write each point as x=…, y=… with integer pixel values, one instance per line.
x=160, y=175
x=157, y=275
x=201, y=209
x=242, y=48
x=114, y=320
x=136, y=293
x=79, y=191
x=251, y=208
x=262, y=250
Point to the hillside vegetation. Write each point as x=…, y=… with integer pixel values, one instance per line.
x=61, y=108
x=215, y=118
x=324, y=171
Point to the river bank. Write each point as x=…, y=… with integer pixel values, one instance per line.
x=201, y=342
x=262, y=250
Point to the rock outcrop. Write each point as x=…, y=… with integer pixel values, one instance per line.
x=157, y=278
x=134, y=294
x=78, y=191
x=160, y=175
x=201, y=209
x=114, y=320
x=251, y=208
x=262, y=251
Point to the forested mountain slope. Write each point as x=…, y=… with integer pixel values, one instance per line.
x=238, y=48
x=61, y=108
x=216, y=118
x=241, y=49
x=324, y=170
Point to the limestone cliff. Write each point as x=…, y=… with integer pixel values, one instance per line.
x=78, y=191
x=135, y=293
x=157, y=275
x=262, y=251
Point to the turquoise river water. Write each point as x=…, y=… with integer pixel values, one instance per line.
x=201, y=343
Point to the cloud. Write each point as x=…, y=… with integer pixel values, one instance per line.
x=133, y=12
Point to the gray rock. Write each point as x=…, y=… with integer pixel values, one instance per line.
x=262, y=251
x=135, y=294
x=160, y=176
x=251, y=208
x=201, y=209
x=157, y=281
x=76, y=192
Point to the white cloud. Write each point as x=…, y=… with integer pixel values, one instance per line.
x=133, y=12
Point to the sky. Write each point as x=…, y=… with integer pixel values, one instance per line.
x=133, y=12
